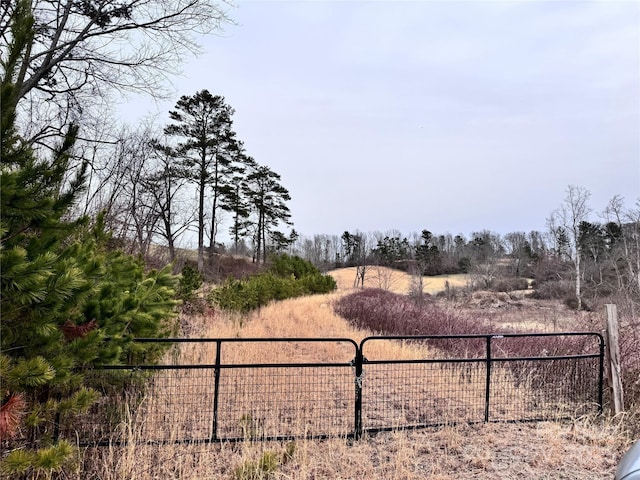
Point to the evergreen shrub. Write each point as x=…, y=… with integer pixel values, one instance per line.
x=288, y=277
x=190, y=281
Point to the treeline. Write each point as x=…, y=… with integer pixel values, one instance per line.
x=576, y=260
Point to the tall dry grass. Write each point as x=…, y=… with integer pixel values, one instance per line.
x=586, y=448
x=397, y=281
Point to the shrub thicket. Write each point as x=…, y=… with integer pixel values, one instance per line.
x=510, y=284
x=288, y=277
x=388, y=313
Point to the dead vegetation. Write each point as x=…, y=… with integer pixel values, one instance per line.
x=586, y=448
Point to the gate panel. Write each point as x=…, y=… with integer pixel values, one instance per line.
x=212, y=390
x=285, y=402
x=228, y=399
x=475, y=378
x=409, y=395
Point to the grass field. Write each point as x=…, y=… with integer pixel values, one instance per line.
x=586, y=448
x=396, y=281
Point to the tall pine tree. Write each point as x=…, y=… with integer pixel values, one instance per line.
x=208, y=151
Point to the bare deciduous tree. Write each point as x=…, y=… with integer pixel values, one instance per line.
x=628, y=252
x=84, y=49
x=571, y=213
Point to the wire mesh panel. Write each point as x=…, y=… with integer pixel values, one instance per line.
x=543, y=388
x=544, y=376
x=474, y=378
x=405, y=395
x=271, y=402
x=226, y=397
x=157, y=404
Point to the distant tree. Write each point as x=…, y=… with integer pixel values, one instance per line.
x=537, y=243
x=293, y=238
x=624, y=226
x=594, y=247
x=322, y=250
x=356, y=250
x=208, y=147
x=279, y=242
x=234, y=201
x=268, y=200
x=240, y=209
x=351, y=248
x=566, y=221
x=485, y=250
x=164, y=184
x=520, y=253
x=427, y=254
x=392, y=251
x=131, y=211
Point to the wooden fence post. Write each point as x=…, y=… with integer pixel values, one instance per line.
x=612, y=362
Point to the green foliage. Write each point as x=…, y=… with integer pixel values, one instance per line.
x=285, y=265
x=62, y=291
x=249, y=426
x=263, y=190
x=392, y=252
x=289, y=451
x=279, y=283
x=190, y=280
x=38, y=464
x=266, y=465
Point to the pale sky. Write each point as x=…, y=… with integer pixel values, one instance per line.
x=448, y=116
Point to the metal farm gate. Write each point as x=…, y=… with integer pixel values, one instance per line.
x=230, y=389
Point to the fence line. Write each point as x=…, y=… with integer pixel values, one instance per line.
x=233, y=392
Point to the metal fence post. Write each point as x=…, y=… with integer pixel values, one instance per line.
x=358, y=392
x=216, y=387
x=601, y=374
x=487, y=388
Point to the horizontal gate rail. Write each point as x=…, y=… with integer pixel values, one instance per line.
x=250, y=389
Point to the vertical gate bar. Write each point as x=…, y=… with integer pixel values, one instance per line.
x=358, y=400
x=216, y=387
x=487, y=387
x=601, y=374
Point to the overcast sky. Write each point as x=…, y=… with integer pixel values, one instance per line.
x=440, y=115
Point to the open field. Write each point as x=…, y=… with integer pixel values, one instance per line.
x=395, y=280
x=586, y=448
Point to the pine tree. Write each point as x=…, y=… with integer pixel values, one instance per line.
x=62, y=291
x=268, y=199
x=209, y=150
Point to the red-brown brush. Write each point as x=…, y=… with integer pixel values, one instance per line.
x=72, y=331
x=11, y=412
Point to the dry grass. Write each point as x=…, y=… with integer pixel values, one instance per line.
x=587, y=448
x=486, y=452
x=395, y=280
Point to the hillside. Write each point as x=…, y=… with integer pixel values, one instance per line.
x=395, y=280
